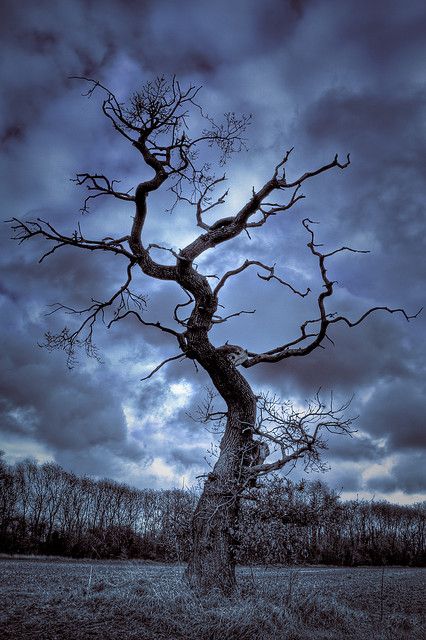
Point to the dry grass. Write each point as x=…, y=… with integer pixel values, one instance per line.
x=82, y=600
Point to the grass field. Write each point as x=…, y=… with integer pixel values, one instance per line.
x=49, y=599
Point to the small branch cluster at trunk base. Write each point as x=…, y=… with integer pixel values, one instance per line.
x=282, y=434
x=298, y=434
x=156, y=122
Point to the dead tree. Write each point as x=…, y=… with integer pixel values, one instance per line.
x=156, y=122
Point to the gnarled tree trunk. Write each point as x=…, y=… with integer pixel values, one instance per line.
x=212, y=561
x=215, y=521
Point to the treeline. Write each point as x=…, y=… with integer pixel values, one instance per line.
x=308, y=523
x=47, y=510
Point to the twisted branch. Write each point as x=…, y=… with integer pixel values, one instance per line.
x=324, y=320
x=102, y=186
x=26, y=229
x=272, y=276
x=179, y=356
x=83, y=336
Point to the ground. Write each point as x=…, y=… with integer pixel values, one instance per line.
x=64, y=599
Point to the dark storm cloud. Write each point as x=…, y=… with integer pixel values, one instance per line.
x=326, y=77
x=359, y=447
x=389, y=168
x=395, y=411
x=73, y=415
x=408, y=474
x=343, y=365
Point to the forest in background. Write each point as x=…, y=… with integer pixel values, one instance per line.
x=47, y=510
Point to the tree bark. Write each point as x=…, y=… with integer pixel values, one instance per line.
x=212, y=560
x=215, y=522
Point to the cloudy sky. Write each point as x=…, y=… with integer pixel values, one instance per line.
x=324, y=76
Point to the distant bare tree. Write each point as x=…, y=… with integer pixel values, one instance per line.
x=156, y=122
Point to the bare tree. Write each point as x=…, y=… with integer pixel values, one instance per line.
x=156, y=122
